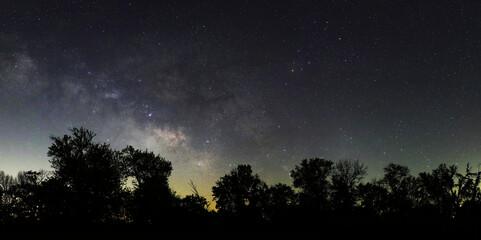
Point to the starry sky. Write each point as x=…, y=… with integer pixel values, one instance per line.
x=212, y=84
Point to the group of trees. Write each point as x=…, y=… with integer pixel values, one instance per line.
x=89, y=184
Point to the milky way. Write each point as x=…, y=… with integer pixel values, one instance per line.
x=209, y=86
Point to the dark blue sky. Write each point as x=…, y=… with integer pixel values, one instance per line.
x=209, y=85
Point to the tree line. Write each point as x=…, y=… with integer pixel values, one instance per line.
x=88, y=185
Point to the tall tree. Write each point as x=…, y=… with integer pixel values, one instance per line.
x=401, y=187
x=437, y=189
x=152, y=196
x=346, y=176
x=311, y=176
x=88, y=174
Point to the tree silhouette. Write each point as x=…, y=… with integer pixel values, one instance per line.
x=346, y=176
x=372, y=198
x=26, y=205
x=280, y=202
x=437, y=190
x=6, y=181
x=88, y=177
x=311, y=176
x=239, y=190
x=6, y=186
x=469, y=194
x=195, y=203
x=152, y=196
x=401, y=189
x=195, y=210
x=281, y=196
x=91, y=183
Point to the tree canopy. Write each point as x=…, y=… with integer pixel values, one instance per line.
x=88, y=184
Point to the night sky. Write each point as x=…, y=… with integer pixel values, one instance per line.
x=210, y=85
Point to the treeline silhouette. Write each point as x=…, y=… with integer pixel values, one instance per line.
x=88, y=185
